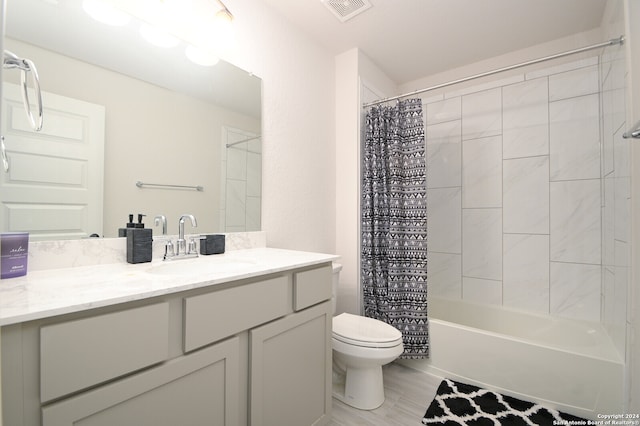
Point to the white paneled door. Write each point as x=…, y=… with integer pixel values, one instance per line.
x=54, y=186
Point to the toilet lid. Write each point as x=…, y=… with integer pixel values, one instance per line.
x=363, y=331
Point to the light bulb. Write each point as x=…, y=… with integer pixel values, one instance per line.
x=224, y=16
x=218, y=35
x=223, y=24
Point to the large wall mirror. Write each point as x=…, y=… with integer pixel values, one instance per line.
x=122, y=116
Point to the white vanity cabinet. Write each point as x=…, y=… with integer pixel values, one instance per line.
x=254, y=351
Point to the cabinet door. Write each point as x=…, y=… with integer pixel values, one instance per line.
x=291, y=370
x=198, y=389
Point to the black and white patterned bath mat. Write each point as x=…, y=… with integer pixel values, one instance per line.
x=461, y=404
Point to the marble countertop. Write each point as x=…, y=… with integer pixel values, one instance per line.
x=47, y=293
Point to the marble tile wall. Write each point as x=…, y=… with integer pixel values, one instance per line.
x=519, y=215
x=616, y=203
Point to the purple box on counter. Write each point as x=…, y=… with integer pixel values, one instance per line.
x=14, y=253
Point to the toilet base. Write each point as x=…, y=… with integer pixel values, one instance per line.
x=361, y=388
x=358, y=359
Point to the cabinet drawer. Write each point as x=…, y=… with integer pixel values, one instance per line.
x=311, y=287
x=81, y=353
x=198, y=389
x=213, y=316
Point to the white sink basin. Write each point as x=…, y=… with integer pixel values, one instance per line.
x=203, y=266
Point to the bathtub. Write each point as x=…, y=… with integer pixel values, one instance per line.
x=564, y=364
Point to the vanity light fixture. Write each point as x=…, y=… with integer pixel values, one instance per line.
x=214, y=38
x=106, y=13
x=165, y=23
x=223, y=27
x=224, y=14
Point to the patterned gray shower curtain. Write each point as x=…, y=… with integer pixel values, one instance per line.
x=394, y=222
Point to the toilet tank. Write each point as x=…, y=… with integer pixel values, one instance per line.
x=336, y=280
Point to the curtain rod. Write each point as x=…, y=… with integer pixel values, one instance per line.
x=229, y=145
x=611, y=42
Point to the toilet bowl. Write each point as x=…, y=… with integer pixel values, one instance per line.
x=361, y=346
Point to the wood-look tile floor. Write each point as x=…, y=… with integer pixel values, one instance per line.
x=408, y=393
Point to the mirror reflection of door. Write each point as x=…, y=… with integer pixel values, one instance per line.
x=53, y=188
x=161, y=107
x=241, y=180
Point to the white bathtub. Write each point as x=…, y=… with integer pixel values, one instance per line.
x=568, y=365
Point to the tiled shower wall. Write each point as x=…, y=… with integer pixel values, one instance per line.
x=518, y=207
x=241, y=181
x=616, y=205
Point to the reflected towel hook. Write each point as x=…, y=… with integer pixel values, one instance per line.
x=633, y=133
x=3, y=151
x=10, y=61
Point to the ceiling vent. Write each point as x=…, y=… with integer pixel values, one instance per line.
x=346, y=9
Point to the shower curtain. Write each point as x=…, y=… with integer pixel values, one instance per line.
x=394, y=222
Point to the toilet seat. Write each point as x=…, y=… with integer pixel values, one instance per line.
x=366, y=332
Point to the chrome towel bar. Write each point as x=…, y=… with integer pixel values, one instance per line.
x=140, y=184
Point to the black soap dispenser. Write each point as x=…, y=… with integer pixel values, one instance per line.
x=139, y=242
x=122, y=232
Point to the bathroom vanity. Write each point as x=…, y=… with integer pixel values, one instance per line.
x=242, y=338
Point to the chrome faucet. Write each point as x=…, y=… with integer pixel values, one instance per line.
x=169, y=252
x=182, y=249
x=161, y=220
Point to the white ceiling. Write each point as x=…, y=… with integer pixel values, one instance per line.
x=410, y=39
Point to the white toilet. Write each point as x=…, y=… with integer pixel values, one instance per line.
x=361, y=346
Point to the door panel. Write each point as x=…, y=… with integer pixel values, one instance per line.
x=53, y=188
